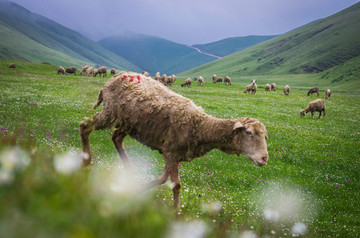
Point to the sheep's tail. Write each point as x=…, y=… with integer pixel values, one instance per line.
x=99, y=100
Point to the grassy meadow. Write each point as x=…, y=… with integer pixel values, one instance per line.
x=309, y=188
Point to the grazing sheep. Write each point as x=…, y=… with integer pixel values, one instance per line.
x=251, y=87
x=201, y=81
x=273, y=87
x=90, y=71
x=286, y=90
x=147, y=74
x=61, y=70
x=71, y=70
x=187, y=83
x=317, y=105
x=157, y=76
x=170, y=80
x=313, y=90
x=219, y=80
x=101, y=71
x=327, y=94
x=12, y=66
x=214, y=77
x=163, y=79
x=112, y=71
x=84, y=68
x=165, y=121
x=227, y=80
x=267, y=87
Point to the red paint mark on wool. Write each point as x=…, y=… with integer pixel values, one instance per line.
x=131, y=78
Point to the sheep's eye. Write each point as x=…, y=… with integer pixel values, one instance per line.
x=249, y=133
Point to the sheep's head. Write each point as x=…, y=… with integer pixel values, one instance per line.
x=249, y=140
x=302, y=113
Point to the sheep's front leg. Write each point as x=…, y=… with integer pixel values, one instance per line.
x=118, y=139
x=175, y=179
x=324, y=114
x=312, y=115
x=319, y=114
x=99, y=121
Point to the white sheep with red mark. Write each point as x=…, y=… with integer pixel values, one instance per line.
x=149, y=112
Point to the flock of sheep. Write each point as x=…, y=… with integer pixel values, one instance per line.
x=89, y=71
x=317, y=105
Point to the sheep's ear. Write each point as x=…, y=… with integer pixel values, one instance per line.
x=238, y=125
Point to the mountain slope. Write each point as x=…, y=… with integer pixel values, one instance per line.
x=230, y=45
x=30, y=37
x=155, y=54
x=317, y=47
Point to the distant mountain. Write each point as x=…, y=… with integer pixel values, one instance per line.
x=330, y=45
x=230, y=45
x=26, y=36
x=155, y=54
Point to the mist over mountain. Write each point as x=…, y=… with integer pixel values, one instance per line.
x=27, y=36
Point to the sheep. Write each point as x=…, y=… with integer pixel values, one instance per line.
x=327, y=94
x=157, y=76
x=251, y=87
x=163, y=79
x=147, y=74
x=313, y=90
x=61, y=70
x=187, y=83
x=12, y=66
x=286, y=90
x=214, y=77
x=317, y=105
x=163, y=120
x=90, y=71
x=267, y=87
x=219, y=80
x=112, y=71
x=273, y=87
x=201, y=81
x=101, y=71
x=84, y=68
x=71, y=70
x=227, y=80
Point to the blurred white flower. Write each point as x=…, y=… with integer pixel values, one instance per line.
x=67, y=163
x=119, y=191
x=299, y=229
x=248, y=234
x=6, y=177
x=271, y=215
x=194, y=229
x=212, y=208
x=14, y=159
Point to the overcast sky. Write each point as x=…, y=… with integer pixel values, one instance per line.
x=184, y=21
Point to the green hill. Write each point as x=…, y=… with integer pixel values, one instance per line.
x=329, y=47
x=155, y=54
x=230, y=45
x=26, y=36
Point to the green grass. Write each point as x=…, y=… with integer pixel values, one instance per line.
x=313, y=170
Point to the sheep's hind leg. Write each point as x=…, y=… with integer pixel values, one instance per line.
x=175, y=180
x=86, y=127
x=118, y=139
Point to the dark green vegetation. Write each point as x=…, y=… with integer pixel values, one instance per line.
x=230, y=45
x=312, y=176
x=26, y=36
x=154, y=54
x=328, y=48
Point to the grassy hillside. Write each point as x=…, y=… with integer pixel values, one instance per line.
x=155, y=54
x=231, y=45
x=330, y=43
x=30, y=37
x=311, y=180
